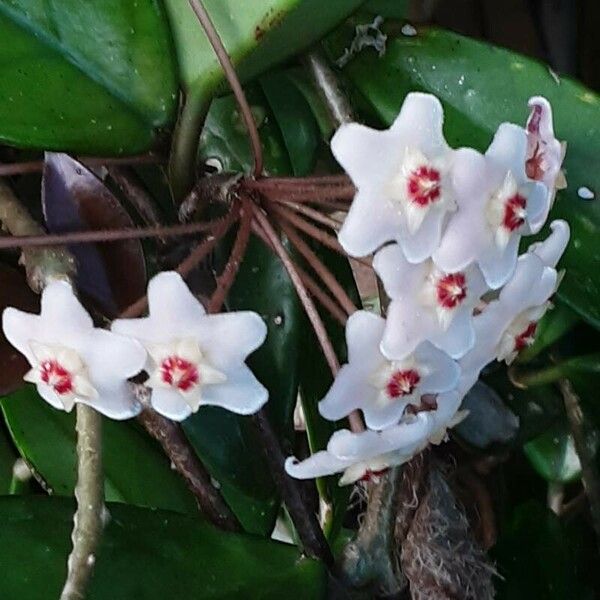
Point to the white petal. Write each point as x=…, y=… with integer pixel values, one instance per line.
x=363, y=336
x=61, y=309
x=348, y=392
x=371, y=221
x=18, y=327
x=553, y=247
x=399, y=277
x=442, y=372
x=51, y=397
x=115, y=402
x=241, y=393
x=381, y=416
x=170, y=404
x=227, y=339
x=459, y=338
x=508, y=150
x=319, y=464
x=538, y=205
x=497, y=265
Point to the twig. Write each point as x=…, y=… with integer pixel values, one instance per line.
x=89, y=492
x=313, y=214
x=36, y=166
x=234, y=82
x=329, y=89
x=227, y=277
x=178, y=450
x=306, y=523
x=589, y=475
x=103, y=235
x=191, y=261
x=319, y=268
x=354, y=418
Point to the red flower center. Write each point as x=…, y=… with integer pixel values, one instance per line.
x=423, y=186
x=372, y=475
x=514, y=212
x=56, y=376
x=179, y=373
x=526, y=337
x=451, y=290
x=402, y=383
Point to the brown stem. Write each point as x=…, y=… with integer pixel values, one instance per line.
x=311, y=285
x=133, y=189
x=36, y=166
x=319, y=268
x=227, y=277
x=317, y=180
x=354, y=418
x=103, y=235
x=313, y=214
x=178, y=450
x=589, y=475
x=234, y=82
x=192, y=260
x=317, y=195
x=306, y=523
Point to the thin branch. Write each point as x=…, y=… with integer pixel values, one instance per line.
x=90, y=504
x=313, y=180
x=227, y=277
x=229, y=71
x=192, y=260
x=101, y=236
x=37, y=166
x=312, y=286
x=306, y=523
x=178, y=450
x=314, y=214
x=589, y=475
x=354, y=418
x=319, y=268
x=318, y=195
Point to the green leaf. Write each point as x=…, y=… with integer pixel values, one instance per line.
x=85, y=77
x=8, y=455
x=393, y=9
x=553, y=454
x=481, y=86
x=136, y=471
x=146, y=555
x=538, y=556
x=226, y=443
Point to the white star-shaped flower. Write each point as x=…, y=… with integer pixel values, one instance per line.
x=545, y=154
x=508, y=324
x=497, y=204
x=367, y=454
x=196, y=359
x=402, y=178
x=382, y=387
x=73, y=361
x=427, y=304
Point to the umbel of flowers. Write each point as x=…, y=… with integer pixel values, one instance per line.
x=445, y=226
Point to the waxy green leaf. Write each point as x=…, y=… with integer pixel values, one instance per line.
x=135, y=469
x=85, y=77
x=146, y=555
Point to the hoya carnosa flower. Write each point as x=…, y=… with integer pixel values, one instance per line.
x=367, y=454
x=497, y=204
x=545, y=153
x=195, y=358
x=508, y=324
x=381, y=387
x=402, y=178
x=73, y=361
x=427, y=304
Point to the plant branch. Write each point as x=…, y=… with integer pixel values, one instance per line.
x=589, y=475
x=229, y=71
x=177, y=448
x=227, y=277
x=311, y=536
x=89, y=492
x=313, y=214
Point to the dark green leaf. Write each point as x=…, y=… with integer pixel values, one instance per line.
x=85, y=77
x=8, y=455
x=146, y=555
x=136, y=471
x=482, y=86
x=553, y=454
x=540, y=557
x=489, y=420
x=394, y=9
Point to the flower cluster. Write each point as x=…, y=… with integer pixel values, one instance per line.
x=445, y=226
x=191, y=358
